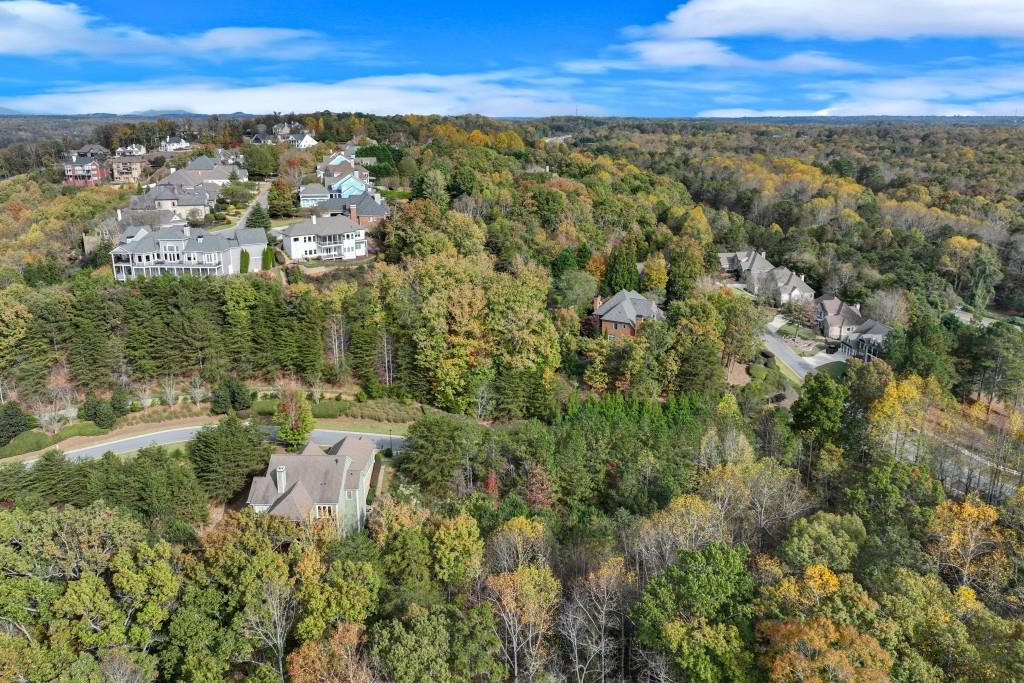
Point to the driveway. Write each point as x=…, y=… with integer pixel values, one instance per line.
x=261, y=199
x=177, y=435
x=782, y=352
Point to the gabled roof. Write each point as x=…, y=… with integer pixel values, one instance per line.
x=203, y=163
x=366, y=205
x=837, y=312
x=182, y=178
x=625, y=306
x=744, y=261
x=786, y=280
x=871, y=328
x=313, y=477
x=313, y=190
x=329, y=225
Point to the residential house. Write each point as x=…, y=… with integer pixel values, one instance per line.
x=330, y=238
x=134, y=150
x=188, y=196
x=345, y=186
x=860, y=337
x=315, y=485
x=91, y=151
x=366, y=209
x=175, y=144
x=835, y=318
x=127, y=169
x=301, y=140
x=177, y=249
x=313, y=194
x=262, y=139
x=84, y=171
x=213, y=171
x=782, y=286
x=867, y=341
x=745, y=265
x=623, y=313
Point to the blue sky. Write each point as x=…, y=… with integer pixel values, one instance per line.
x=530, y=58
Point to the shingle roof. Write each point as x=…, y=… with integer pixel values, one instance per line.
x=787, y=280
x=312, y=477
x=313, y=190
x=744, y=261
x=203, y=163
x=330, y=225
x=625, y=306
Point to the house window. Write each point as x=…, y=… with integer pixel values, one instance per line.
x=324, y=511
x=348, y=495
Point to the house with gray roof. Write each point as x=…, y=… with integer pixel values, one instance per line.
x=175, y=144
x=211, y=170
x=315, y=484
x=623, y=313
x=835, y=318
x=744, y=263
x=367, y=209
x=178, y=249
x=867, y=340
x=328, y=238
x=313, y=194
x=782, y=286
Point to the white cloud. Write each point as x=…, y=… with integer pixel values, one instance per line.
x=505, y=93
x=843, y=19
x=39, y=29
x=989, y=91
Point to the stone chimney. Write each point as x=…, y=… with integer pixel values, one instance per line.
x=597, y=303
x=353, y=212
x=282, y=480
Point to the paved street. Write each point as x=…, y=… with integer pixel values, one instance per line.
x=782, y=352
x=169, y=436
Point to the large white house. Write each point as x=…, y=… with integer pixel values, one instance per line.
x=175, y=144
x=177, y=249
x=328, y=238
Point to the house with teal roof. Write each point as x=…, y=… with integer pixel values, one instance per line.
x=346, y=186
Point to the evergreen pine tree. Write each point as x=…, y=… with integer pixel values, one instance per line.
x=258, y=218
x=89, y=355
x=12, y=422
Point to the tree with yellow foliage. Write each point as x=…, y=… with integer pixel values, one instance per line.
x=967, y=544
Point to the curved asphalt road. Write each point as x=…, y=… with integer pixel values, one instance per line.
x=168, y=436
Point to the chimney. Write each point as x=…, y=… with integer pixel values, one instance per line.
x=187, y=230
x=856, y=307
x=282, y=480
x=353, y=212
x=597, y=303
x=199, y=239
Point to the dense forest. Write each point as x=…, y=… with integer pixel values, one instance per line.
x=567, y=506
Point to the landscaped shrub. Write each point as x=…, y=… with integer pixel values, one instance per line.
x=265, y=406
x=26, y=442
x=758, y=372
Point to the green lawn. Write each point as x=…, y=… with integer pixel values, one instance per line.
x=791, y=330
x=836, y=369
x=364, y=426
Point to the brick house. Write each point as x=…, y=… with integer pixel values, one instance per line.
x=623, y=313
